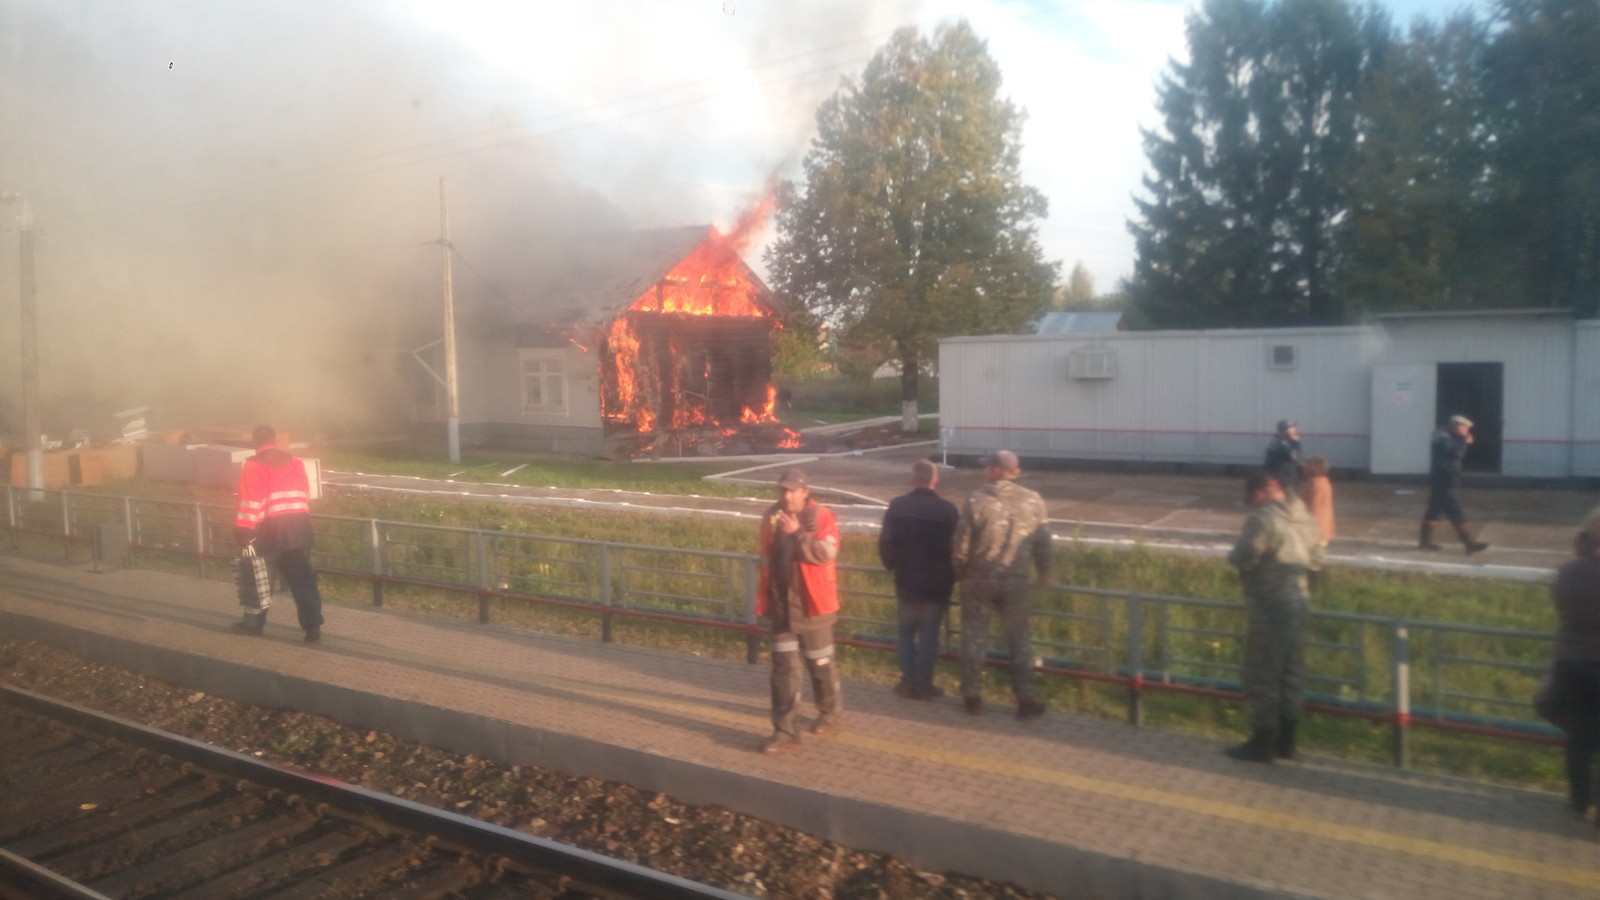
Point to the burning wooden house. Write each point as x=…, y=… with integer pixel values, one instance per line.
x=644, y=340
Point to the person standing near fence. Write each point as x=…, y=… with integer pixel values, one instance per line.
x=915, y=545
x=275, y=516
x=1319, y=502
x=798, y=594
x=1278, y=546
x=1575, y=682
x=1449, y=448
x=1002, y=526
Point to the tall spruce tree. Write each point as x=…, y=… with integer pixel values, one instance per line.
x=1541, y=91
x=1421, y=231
x=1243, y=223
x=913, y=221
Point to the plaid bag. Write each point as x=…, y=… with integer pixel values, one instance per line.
x=250, y=574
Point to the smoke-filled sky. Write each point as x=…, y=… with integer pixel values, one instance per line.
x=235, y=202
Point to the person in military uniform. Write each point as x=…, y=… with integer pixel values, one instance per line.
x=1002, y=526
x=1282, y=460
x=1278, y=547
x=1450, y=446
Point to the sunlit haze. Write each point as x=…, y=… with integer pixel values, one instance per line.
x=236, y=203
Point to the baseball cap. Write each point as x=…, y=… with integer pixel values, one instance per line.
x=1461, y=420
x=793, y=478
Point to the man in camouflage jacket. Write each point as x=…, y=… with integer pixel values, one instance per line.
x=1279, y=546
x=1003, y=525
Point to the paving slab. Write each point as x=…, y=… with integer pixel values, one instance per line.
x=1077, y=807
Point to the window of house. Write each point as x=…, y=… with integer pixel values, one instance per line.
x=1281, y=356
x=544, y=384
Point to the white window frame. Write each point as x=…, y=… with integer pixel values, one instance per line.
x=550, y=368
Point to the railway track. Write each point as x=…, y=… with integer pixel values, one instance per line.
x=92, y=806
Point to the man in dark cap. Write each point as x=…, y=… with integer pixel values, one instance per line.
x=1002, y=526
x=1283, y=460
x=1450, y=446
x=799, y=596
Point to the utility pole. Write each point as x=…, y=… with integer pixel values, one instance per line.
x=452, y=387
x=32, y=420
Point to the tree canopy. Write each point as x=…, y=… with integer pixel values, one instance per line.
x=1313, y=165
x=913, y=221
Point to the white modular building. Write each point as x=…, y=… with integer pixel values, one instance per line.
x=1366, y=397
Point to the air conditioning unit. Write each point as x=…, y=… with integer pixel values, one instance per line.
x=1091, y=363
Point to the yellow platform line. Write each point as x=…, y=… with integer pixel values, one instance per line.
x=1309, y=826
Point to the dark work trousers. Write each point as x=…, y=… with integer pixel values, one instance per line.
x=294, y=567
x=981, y=598
x=1577, y=691
x=1444, y=503
x=919, y=623
x=810, y=648
x=1274, y=655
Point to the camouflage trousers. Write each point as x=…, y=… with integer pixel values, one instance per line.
x=1274, y=654
x=980, y=599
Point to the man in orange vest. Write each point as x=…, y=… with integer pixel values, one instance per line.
x=275, y=515
x=799, y=596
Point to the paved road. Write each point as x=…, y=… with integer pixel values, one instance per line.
x=1529, y=530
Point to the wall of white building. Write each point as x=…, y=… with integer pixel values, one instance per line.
x=1216, y=396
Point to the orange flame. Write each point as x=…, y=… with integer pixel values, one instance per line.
x=713, y=280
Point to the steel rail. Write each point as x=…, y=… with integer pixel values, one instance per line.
x=592, y=871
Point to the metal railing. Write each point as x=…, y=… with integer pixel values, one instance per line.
x=1403, y=672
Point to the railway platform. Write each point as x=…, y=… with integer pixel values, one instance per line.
x=1076, y=807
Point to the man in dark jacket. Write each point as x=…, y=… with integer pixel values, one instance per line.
x=1283, y=460
x=915, y=545
x=1444, y=484
x=275, y=515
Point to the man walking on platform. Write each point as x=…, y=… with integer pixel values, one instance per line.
x=275, y=515
x=915, y=545
x=799, y=596
x=1450, y=446
x=1279, y=546
x=1002, y=526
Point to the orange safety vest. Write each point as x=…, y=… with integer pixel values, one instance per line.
x=272, y=483
x=820, y=579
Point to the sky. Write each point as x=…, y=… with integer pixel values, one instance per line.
x=683, y=107
x=237, y=204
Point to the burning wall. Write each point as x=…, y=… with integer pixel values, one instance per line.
x=693, y=351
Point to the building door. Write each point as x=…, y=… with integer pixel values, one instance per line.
x=1477, y=391
x=1402, y=417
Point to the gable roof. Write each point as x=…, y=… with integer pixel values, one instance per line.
x=596, y=276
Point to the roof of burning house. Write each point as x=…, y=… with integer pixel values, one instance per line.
x=598, y=276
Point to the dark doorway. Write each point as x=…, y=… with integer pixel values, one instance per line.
x=1477, y=391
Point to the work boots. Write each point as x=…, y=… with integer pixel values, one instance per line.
x=1472, y=544
x=252, y=624
x=1260, y=747
x=1425, y=538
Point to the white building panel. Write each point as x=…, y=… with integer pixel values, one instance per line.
x=1168, y=396
x=1586, y=400
x=1532, y=377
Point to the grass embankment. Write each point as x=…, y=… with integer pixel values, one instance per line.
x=1354, y=658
